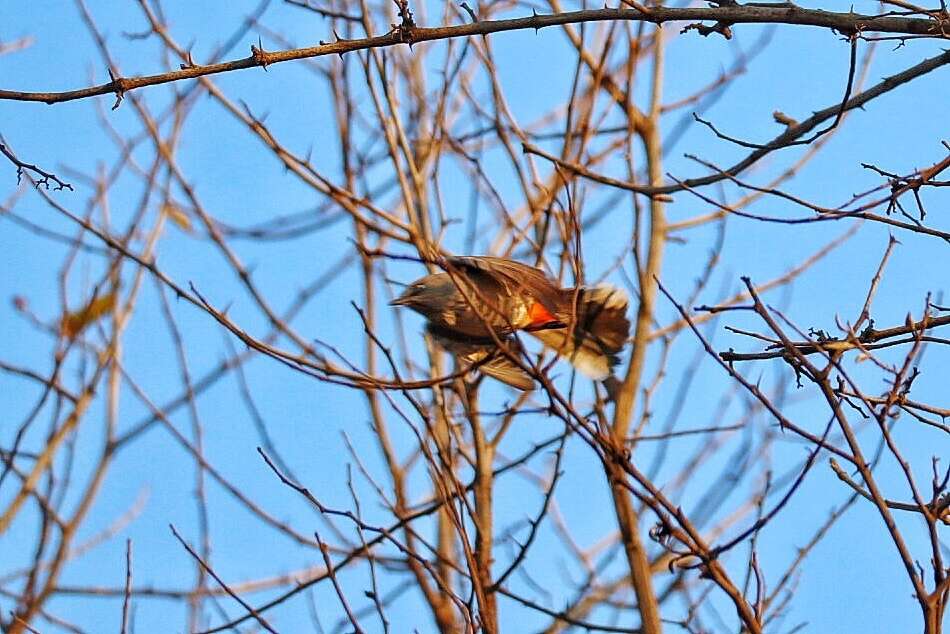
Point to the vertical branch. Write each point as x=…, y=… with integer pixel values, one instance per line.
x=627, y=518
x=484, y=519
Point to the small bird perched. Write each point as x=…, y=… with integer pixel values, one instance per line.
x=483, y=300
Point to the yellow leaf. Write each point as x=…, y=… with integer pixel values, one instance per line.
x=73, y=323
x=178, y=216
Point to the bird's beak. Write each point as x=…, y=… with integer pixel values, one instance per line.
x=402, y=300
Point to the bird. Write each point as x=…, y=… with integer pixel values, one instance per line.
x=481, y=301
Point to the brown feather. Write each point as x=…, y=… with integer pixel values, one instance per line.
x=516, y=278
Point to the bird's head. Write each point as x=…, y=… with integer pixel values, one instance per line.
x=427, y=295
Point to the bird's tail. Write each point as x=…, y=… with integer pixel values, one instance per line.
x=600, y=329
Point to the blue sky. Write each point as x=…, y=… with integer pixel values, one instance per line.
x=854, y=581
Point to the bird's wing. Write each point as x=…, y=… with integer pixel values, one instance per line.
x=484, y=353
x=514, y=277
x=504, y=370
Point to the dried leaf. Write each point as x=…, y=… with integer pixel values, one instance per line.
x=74, y=323
x=178, y=216
x=784, y=119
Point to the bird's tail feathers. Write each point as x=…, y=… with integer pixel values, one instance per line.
x=601, y=329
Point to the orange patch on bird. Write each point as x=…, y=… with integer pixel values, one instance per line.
x=540, y=315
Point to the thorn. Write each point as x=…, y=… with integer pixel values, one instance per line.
x=471, y=12
x=119, y=90
x=259, y=54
